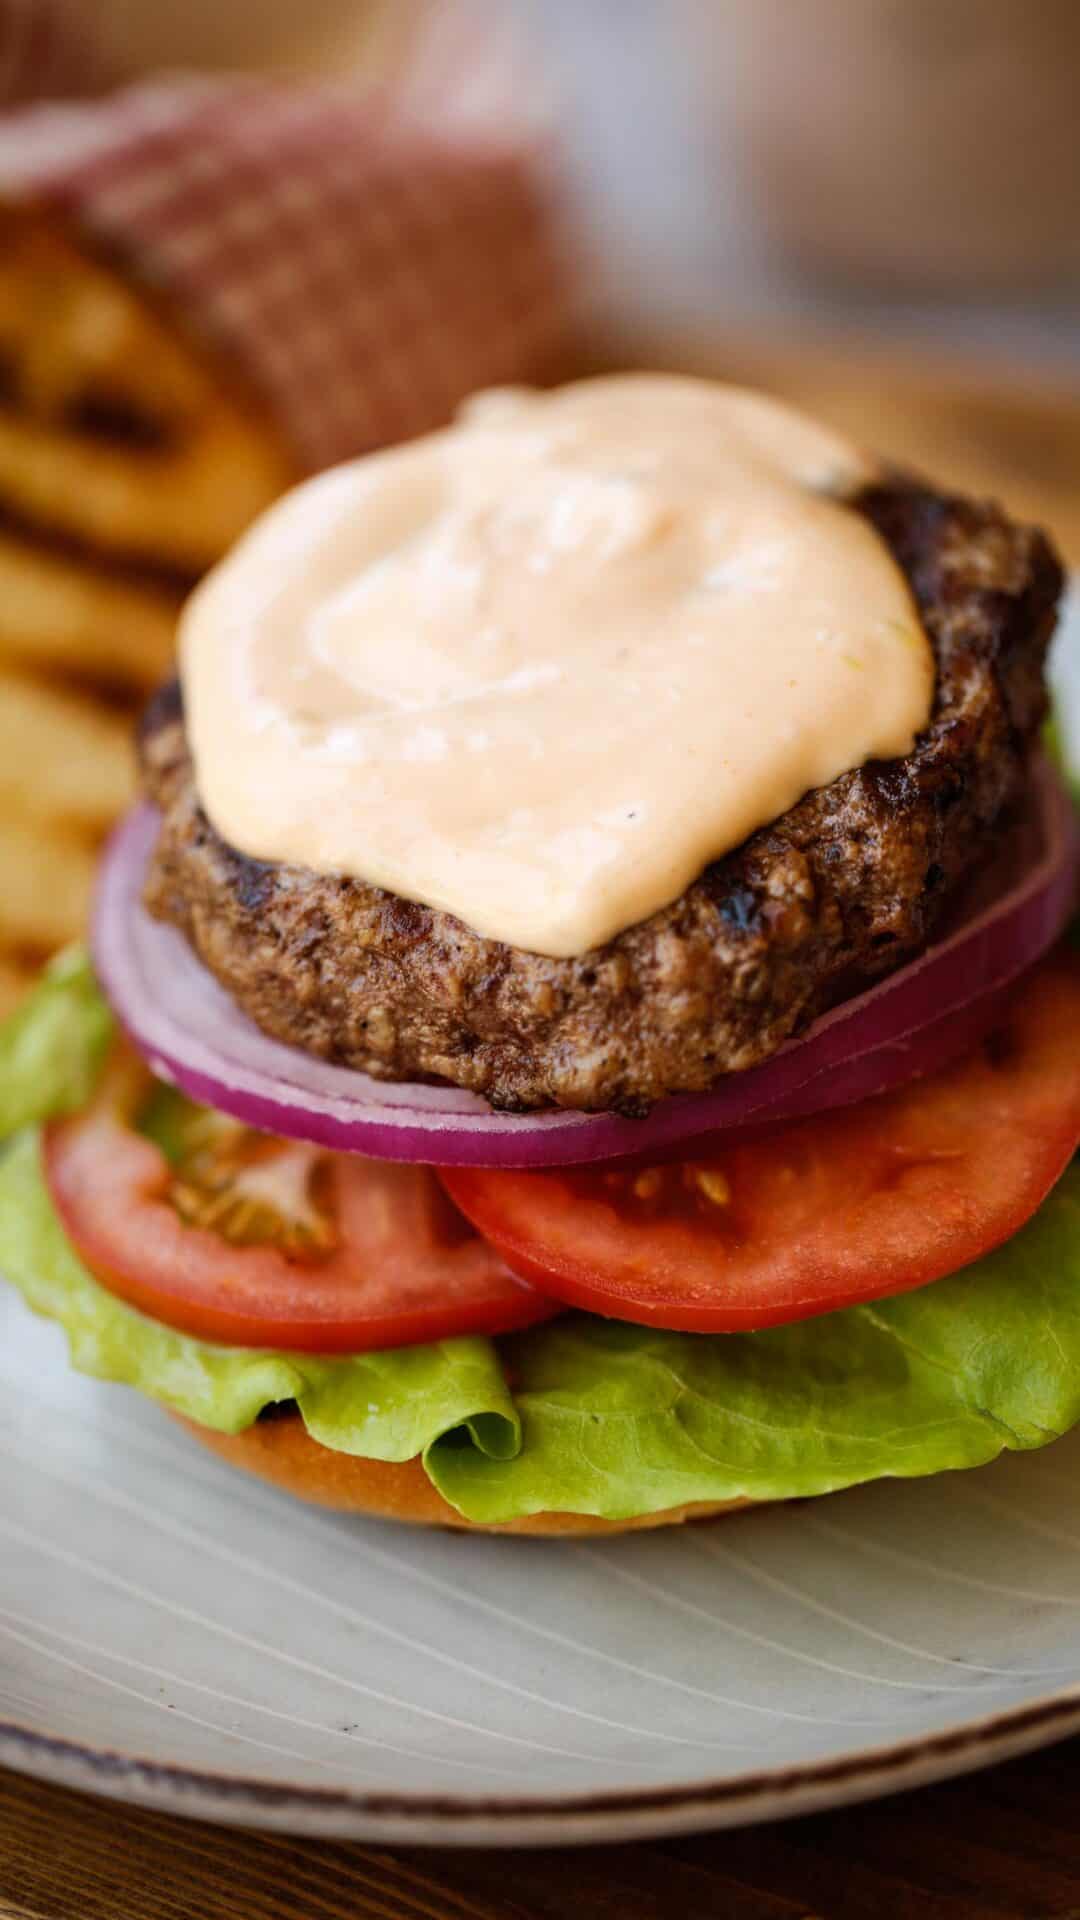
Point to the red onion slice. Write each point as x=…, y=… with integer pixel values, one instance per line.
x=191, y=1033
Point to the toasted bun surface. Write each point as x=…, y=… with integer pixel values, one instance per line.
x=283, y=1452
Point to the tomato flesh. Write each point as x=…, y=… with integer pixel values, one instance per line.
x=853, y=1205
x=375, y=1255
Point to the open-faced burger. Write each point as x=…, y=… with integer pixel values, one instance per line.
x=581, y=1030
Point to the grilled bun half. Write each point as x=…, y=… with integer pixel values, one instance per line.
x=283, y=1452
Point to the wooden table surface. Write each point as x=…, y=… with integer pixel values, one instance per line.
x=1002, y=1843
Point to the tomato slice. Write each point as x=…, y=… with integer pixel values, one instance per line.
x=863, y=1202
x=265, y=1243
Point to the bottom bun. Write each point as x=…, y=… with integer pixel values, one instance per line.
x=282, y=1451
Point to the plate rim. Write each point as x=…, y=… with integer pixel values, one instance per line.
x=172, y=1788
x=771, y=1793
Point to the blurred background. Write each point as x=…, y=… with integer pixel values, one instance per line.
x=871, y=206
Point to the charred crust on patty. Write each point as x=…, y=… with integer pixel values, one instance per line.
x=845, y=887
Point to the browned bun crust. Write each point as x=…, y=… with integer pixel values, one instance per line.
x=283, y=1452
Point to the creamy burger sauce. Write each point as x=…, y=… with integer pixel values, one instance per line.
x=538, y=669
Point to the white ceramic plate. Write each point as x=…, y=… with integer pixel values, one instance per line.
x=181, y=1636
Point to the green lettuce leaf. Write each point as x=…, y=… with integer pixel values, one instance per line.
x=614, y=1420
x=620, y=1420
x=385, y=1406
x=52, y=1048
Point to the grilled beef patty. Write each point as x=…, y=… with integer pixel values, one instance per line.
x=846, y=886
